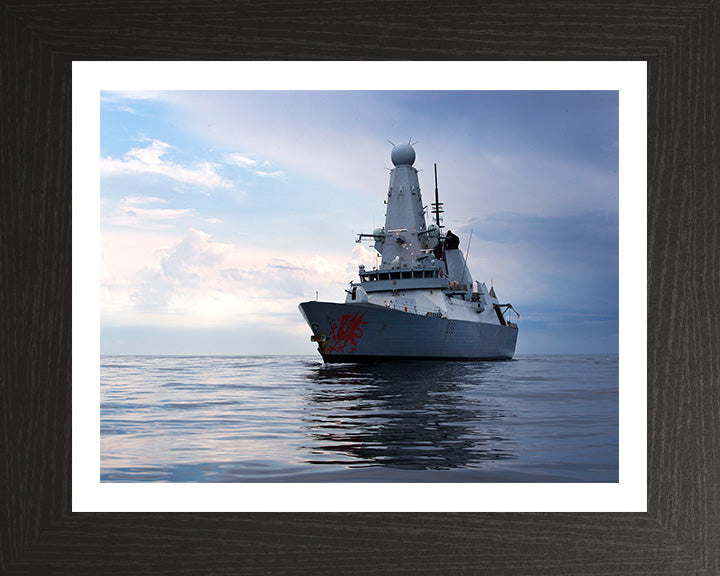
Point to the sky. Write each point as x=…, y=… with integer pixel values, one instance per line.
x=221, y=211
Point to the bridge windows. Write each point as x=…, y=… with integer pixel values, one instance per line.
x=397, y=275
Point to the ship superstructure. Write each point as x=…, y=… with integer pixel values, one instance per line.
x=421, y=302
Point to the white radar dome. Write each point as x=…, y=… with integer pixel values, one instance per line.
x=403, y=155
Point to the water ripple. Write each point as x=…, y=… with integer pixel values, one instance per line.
x=268, y=418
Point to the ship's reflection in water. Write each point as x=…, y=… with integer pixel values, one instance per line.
x=413, y=416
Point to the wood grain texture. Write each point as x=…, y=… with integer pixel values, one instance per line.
x=681, y=532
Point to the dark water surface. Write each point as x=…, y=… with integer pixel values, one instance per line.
x=293, y=419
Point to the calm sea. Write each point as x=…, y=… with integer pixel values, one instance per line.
x=294, y=419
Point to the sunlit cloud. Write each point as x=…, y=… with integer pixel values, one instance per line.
x=254, y=165
x=197, y=280
x=139, y=213
x=273, y=174
x=140, y=200
x=161, y=213
x=240, y=160
x=149, y=160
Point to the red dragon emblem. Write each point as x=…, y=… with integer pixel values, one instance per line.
x=346, y=331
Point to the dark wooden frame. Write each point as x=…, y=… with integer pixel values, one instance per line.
x=680, y=533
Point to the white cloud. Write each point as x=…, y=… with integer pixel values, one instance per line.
x=133, y=212
x=150, y=154
x=137, y=200
x=194, y=253
x=368, y=257
x=128, y=212
x=240, y=160
x=149, y=160
x=195, y=280
x=161, y=213
x=274, y=174
x=250, y=163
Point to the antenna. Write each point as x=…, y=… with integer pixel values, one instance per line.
x=437, y=205
x=391, y=142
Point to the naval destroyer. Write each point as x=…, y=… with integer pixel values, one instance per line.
x=421, y=301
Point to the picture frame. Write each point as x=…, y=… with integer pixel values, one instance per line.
x=680, y=532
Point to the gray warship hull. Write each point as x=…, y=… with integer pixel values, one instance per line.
x=364, y=332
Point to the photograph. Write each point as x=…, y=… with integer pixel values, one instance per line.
x=413, y=286
x=360, y=288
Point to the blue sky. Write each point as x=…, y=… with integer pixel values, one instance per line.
x=221, y=211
